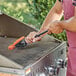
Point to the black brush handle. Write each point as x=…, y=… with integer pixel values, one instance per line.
x=41, y=33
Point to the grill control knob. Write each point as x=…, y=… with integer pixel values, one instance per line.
x=51, y=70
x=61, y=63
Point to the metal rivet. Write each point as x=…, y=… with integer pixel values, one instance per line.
x=74, y=3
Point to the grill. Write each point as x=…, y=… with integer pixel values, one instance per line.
x=44, y=58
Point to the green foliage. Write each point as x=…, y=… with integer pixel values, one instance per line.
x=61, y=36
x=40, y=8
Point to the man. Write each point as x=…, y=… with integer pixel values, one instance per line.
x=54, y=25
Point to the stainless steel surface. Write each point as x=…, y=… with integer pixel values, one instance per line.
x=28, y=54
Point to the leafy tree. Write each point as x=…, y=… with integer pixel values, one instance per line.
x=40, y=8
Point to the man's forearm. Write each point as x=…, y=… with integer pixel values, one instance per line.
x=55, y=13
x=69, y=24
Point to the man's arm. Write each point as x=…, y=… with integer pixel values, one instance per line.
x=55, y=14
x=69, y=24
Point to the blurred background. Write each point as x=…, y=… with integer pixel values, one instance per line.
x=32, y=12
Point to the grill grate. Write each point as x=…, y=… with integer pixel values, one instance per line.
x=28, y=54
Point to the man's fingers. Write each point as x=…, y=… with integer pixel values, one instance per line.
x=49, y=32
x=37, y=39
x=28, y=41
x=29, y=38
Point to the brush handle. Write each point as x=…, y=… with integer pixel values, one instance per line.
x=41, y=33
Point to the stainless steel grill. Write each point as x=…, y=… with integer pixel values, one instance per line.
x=44, y=58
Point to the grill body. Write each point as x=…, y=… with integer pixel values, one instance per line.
x=32, y=60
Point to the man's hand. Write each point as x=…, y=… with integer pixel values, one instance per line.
x=54, y=27
x=31, y=37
